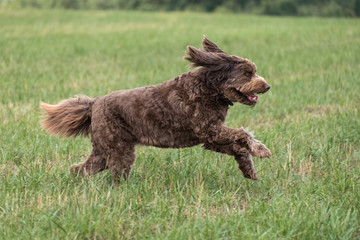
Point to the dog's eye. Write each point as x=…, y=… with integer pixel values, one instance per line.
x=248, y=74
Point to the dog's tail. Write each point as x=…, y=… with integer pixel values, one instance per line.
x=70, y=117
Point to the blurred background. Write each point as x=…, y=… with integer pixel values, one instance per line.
x=329, y=8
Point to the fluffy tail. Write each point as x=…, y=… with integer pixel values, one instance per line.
x=70, y=117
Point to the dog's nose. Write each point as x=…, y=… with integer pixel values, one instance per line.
x=267, y=87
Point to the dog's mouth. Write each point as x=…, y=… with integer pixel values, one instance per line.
x=248, y=99
x=252, y=97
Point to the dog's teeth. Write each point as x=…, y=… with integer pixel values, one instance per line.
x=253, y=98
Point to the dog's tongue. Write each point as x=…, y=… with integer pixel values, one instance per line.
x=252, y=98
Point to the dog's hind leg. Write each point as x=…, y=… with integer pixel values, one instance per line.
x=241, y=155
x=93, y=164
x=120, y=160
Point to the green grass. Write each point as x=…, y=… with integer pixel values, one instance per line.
x=310, y=120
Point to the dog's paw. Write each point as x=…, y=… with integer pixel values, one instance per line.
x=257, y=149
x=250, y=175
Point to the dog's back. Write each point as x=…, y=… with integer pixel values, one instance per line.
x=153, y=115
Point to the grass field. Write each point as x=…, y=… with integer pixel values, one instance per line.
x=310, y=120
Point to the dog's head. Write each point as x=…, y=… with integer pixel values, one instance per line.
x=233, y=77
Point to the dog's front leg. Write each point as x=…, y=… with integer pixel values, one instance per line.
x=241, y=155
x=255, y=147
x=220, y=134
x=258, y=149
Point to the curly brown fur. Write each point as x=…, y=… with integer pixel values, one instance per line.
x=183, y=112
x=70, y=117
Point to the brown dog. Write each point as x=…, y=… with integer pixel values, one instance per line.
x=183, y=112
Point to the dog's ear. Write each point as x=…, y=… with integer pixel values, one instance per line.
x=201, y=58
x=209, y=46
